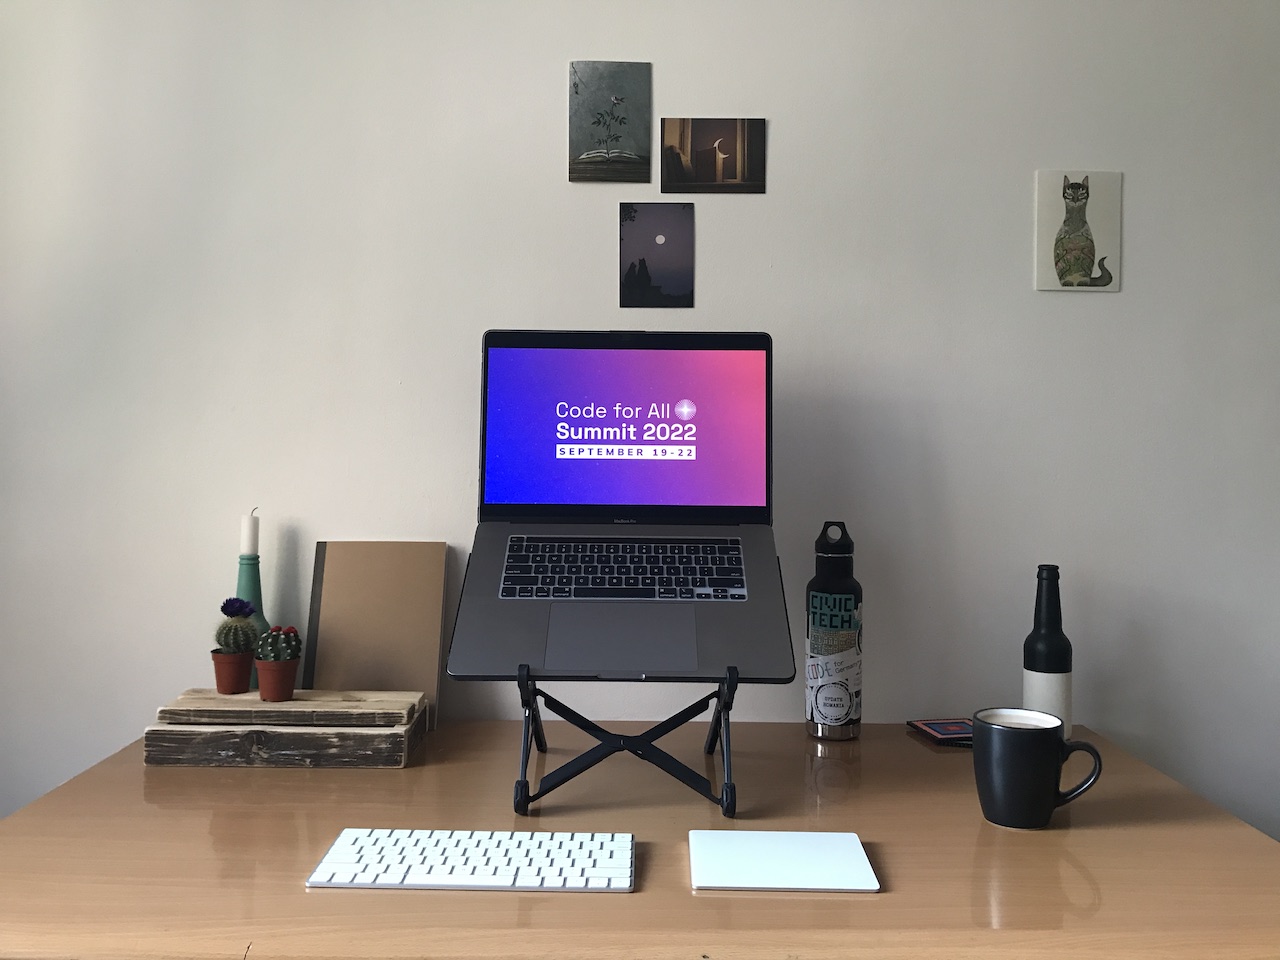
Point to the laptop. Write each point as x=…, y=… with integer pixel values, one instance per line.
x=625, y=511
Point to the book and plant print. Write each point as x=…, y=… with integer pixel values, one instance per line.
x=1077, y=230
x=610, y=121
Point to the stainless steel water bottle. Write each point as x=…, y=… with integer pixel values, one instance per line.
x=833, y=638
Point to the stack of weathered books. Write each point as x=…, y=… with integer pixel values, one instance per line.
x=318, y=728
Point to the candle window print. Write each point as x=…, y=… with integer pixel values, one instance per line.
x=610, y=121
x=655, y=254
x=712, y=155
x=1077, y=230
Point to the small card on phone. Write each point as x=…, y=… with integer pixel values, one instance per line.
x=953, y=733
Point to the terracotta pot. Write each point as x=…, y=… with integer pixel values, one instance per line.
x=231, y=671
x=276, y=679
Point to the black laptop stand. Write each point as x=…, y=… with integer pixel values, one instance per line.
x=642, y=746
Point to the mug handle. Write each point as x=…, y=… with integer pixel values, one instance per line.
x=1071, y=746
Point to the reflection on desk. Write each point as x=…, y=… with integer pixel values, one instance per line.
x=1029, y=880
x=134, y=861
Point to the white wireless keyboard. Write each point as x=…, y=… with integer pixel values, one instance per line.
x=478, y=860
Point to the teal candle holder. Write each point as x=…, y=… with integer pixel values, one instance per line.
x=249, y=587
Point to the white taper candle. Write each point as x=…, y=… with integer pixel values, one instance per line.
x=249, y=533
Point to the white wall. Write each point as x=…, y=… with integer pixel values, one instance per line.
x=247, y=251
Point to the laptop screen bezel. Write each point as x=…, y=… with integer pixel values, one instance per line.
x=635, y=512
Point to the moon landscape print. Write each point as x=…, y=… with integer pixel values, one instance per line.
x=655, y=254
x=707, y=155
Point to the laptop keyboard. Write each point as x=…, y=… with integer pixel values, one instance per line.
x=624, y=568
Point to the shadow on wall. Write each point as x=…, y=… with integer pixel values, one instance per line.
x=455, y=569
x=1141, y=687
x=874, y=462
x=287, y=586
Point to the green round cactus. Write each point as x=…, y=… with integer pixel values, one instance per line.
x=279, y=644
x=236, y=634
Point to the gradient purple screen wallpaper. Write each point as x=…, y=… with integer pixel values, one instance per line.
x=660, y=427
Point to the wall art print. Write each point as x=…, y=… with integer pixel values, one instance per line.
x=1077, y=230
x=610, y=121
x=655, y=254
x=712, y=155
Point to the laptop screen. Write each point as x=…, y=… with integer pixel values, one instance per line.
x=644, y=426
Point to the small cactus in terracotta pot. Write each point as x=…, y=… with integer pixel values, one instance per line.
x=278, y=652
x=233, y=656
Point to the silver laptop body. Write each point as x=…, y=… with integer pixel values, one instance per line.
x=625, y=511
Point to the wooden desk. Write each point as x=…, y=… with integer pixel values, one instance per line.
x=133, y=861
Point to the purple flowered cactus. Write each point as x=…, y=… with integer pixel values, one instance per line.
x=237, y=633
x=235, y=607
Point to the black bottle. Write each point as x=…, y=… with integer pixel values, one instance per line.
x=1046, y=653
x=833, y=662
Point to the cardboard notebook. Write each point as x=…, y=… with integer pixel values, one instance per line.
x=377, y=613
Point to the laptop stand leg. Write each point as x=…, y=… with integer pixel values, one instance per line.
x=643, y=746
x=529, y=701
x=533, y=734
x=719, y=730
x=724, y=703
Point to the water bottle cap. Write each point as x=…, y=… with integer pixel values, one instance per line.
x=834, y=540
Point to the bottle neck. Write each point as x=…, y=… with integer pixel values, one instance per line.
x=1048, y=618
x=833, y=565
x=1047, y=649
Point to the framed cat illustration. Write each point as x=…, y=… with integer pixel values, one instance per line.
x=1077, y=230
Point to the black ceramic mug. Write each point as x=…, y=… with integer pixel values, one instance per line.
x=1017, y=762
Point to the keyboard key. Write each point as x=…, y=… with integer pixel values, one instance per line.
x=614, y=593
x=450, y=882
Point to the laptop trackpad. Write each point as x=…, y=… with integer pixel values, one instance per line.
x=621, y=638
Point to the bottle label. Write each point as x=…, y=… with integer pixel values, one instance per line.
x=833, y=666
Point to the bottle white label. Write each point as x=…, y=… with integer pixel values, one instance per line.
x=833, y=665
x=1048, y=693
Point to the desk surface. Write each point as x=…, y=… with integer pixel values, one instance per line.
x=133, y=861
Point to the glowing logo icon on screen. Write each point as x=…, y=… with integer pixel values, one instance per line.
x=685, y=409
